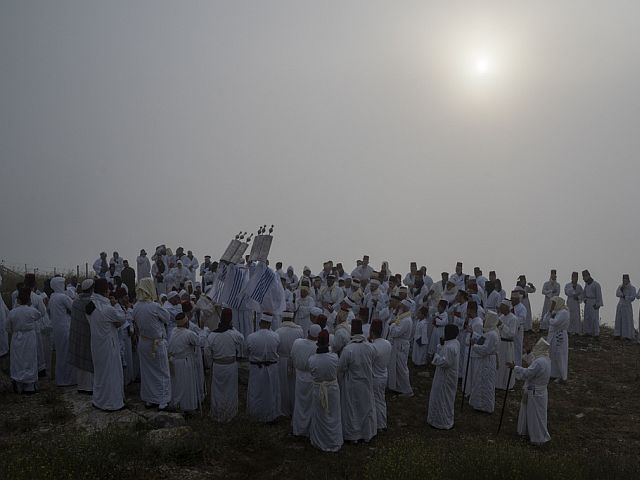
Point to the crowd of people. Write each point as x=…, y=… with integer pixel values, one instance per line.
x=328, y=359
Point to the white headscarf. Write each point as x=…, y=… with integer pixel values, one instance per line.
x=559, y=304
x=490, y=321
x=540, y=349
x=57, y=284
x=146, y=290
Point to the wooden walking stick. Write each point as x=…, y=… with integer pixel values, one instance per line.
x=466, y=374
x=504, y=404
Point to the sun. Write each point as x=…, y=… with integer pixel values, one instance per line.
x=482, y=65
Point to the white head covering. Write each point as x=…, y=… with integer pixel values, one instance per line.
x=57, y=284
x=559, y=304
x=171, y=294
x=86, y=284
x=541, y=348
x=314, y=330
x=315, y=311
x=287, y=315
x=266, y=317
x=146, y=290
x=506, y=303
x=490, y=321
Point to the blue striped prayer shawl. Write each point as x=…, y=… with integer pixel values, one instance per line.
x=263, y=285
x=234, y=286
x=218, y=285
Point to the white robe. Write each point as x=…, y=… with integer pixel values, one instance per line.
x=592, y=304
x=341, y=337
x=506, y=353
x=288, y=333
x=155, y=378
x=465, y=358
x=263, y=391
x=440, y=320
x=108, y=384
x=520, y=311
x=184, y=353
x=549, y=290
x=420, y=343
x=301, y=351
x=4, y=319
x=381, y=361
x=325, y=429
x=225, y=347
x=60, y=316
x=143, y=267
x=400, y=338
x=528, y=289
x=303, y=312
x=559, y=343
x=624, y=313
x=532, y=419
x=356, y=390
x=445, y=383
x=483, y=373
x=574, y=299
x=22, y=323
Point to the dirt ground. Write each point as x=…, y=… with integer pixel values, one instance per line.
x=594, y=422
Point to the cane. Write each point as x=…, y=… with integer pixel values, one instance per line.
x=506, y=394
x=466, y=374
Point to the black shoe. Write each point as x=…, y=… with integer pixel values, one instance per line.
x=42, y=373
x=85, y=392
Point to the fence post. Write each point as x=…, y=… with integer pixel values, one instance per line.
x=77, y=272
x=25, y=269
x=86, y=269
x=54, y=271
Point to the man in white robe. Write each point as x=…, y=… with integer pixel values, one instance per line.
x=143, y=265
x=550, y=289
x=355, y=373
x=288, y=333
x=399, y=335
x=527, y=288
x=458, y=277
x=263, y=390
x=101, y=265
x=573, y=291
x=302, y=306
x=520, y=311
x=225, y=345
x=626, y=294
x=151, y=321
x=325, y=428
x=508, y=328
x=104, y=320
x=331, y=295
x=381, y=361
x=592, y=304
x=22, y=323
x=60, y=316
x=445, y=381
x=363, y=270
x=484, y=353
x=558, y=320
x=191, y=264
x=342, y=328
x=532, y=419
x=301, y=351
x=184, y=350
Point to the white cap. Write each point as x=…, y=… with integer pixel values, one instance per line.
x=287, y=315
x=86, y=284
x=314, y=330
x=172, y=294
x=266, y=317
x=315, y=311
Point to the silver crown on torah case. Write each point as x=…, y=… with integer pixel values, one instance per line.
x=236, y=248
x=261, y=245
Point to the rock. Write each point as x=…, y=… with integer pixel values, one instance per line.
x=580, y=415
x=174, y=440
x=424, y=374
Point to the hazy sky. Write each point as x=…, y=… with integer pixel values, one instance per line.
x=353, y=126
